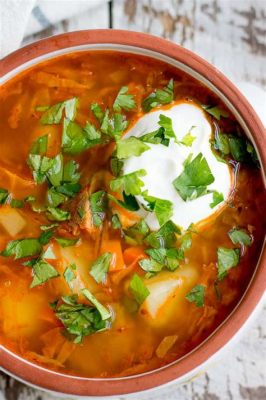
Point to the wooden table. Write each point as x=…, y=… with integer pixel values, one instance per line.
x=231, y=34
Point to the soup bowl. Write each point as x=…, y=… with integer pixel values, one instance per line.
x=195, y=362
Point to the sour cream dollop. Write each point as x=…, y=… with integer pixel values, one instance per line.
x=164, y=164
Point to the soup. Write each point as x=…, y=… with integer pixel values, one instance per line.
x=131, y=216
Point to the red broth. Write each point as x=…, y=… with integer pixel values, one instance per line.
x=128, y=342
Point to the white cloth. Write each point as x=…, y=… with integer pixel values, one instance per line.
x=20, y=18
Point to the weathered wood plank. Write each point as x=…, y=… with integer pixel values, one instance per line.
x=229, y=34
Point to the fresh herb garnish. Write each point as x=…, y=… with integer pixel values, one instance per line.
x=129, y=147
x=138, y=289
x=116, y=223
x=131, y=183
x=165, y=237
x=159, y=97
x=22, y=248
x=196, y=295
x=69, y=276
x=75, y=139
x=104, y=312
x=53, y=114
x=157, y=137
x=78, y=319
x=64, y=242
x=217, y=198
x=195, y=178
x=98, y=205
x=137, y=233
x=240, y=236
x=42, y=272
x=166, y=123
x=100, y=267
x=124, y=100
x=57, y=214
x=227, y=258
x=163, y=209
x=3, y=195
x=160, y=258
x=215, y=112
x=188, y=139
x=116, y=166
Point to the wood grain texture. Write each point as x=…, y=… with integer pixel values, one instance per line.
x=231, y=34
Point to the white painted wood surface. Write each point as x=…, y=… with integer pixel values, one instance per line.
x=231, y=34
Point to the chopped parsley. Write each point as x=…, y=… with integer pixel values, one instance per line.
x=124, y=100
x=240, y=236
x=215, y=112
x=165, y=237
x=64, y=242
x=69, y=276
x=98, y=205
x=130, y=203
x=131, y=183
x=166, y=123
x=138, y=289
x=217, y=198
x=104, y=312
x=129, y=147
x=53, y=114
x=196, y=295
x=42, y=272
x=78, y=319
x=195, y=178
x=227, y=258
x=3, y=195
x=163, y=209
x=159, y=97
x=22, y=248
x=100, y=267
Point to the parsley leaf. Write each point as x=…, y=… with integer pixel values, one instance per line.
x=129, y=147
x=159, y=97
x=138, y=289
x=130, y=203
x=217, y=198
x=100, y=267
x=124, y=100
x=42, y=272
x=54, y=113
x=215, y=112
x=78, y=319
x=98, y=205
x=116, y=166
x=131, y=183
x=74, y=140
x=196, y=295
x=69, y=276
x=163, y=209
x=227, y=258
x=161, y=257
x=22, y=248
x=164, y=237
x=57, y=214
x=195, y=178
x=188, y=139
x=240, y=236
x=113, y=126
x=66, y=242
x=104, y=312
x=40, y=145
x=3, y=195
x=97, y=111
x=166, y=123
x=137, y=232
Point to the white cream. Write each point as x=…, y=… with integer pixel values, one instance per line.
x=164, y=164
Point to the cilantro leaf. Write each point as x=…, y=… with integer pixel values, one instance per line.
x=164, y=237
x=217, y=198
x=159, y=97
x=138, y=289
x=227, y=258
x=240, y=236
x=40, y=145
x=195, y=178
x=45, y=237
x=42, y=272
x=54, y=113
x=113, y=126
x=78, y=319
x=74, y=140
x=116, y=223
x=131, y=183
x=124, y=100
x=116, y=166
x=215, y=112
x=222, y=143
x=100, y=267
x=160, y=258
x=196, y=295
x=97, y=111
x=98, y=205
x=22, y=248
x=129, y=147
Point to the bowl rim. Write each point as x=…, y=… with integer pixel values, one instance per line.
x=71, y=385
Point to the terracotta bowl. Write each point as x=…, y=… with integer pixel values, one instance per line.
x=194, y=362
